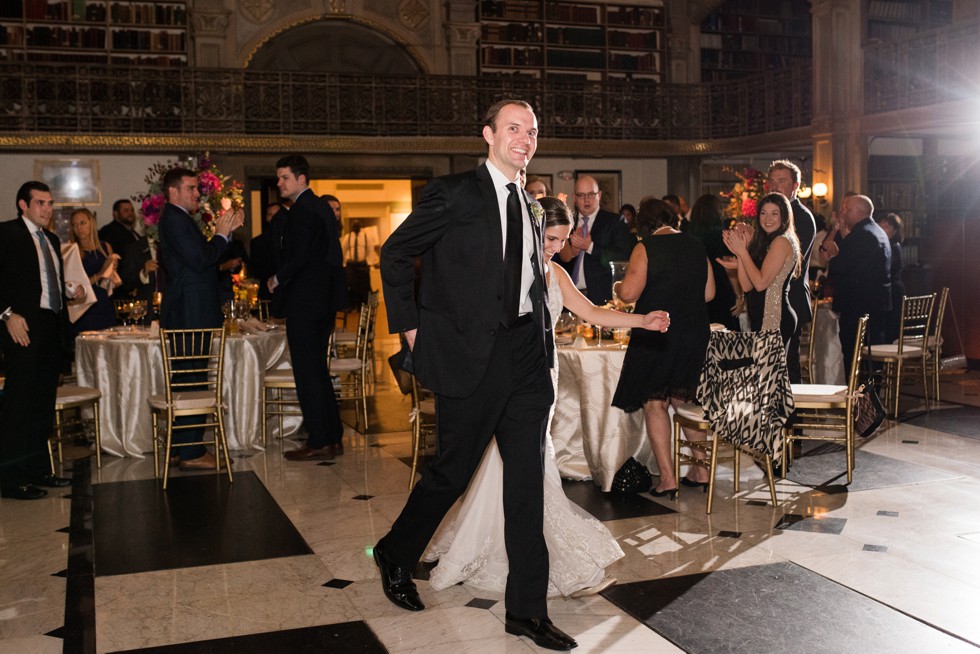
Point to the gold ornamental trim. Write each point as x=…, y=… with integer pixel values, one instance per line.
x=390, y=145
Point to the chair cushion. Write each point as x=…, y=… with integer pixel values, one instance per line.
x=73, y=394
x=344, y=337
x=689, y=411
x=345, y=365
x=183, y=401
x=890, y=350
x=832, y=393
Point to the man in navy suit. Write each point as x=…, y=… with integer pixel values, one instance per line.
x=599, y=237
x=34, y=326
x=308, y=289
x=480, y=339
x=860, y=270
x=190, y=295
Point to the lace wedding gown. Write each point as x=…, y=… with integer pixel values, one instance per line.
x=469, y=544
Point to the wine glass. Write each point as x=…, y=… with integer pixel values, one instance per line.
x=137, y=312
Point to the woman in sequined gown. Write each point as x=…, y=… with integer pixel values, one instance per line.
x=765, y=261
x=469, y=545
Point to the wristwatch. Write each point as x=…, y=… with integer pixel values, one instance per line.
x=5, y=316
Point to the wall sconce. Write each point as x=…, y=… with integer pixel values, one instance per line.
x=820, y=192
x=805, y=192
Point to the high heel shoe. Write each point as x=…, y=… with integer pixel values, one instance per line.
x=695, y=484
x=672, y=492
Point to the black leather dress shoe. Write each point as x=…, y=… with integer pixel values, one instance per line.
x=325, y=453
x=25, y=492
x=397, y=582
x=53, y=482
x=541, y=631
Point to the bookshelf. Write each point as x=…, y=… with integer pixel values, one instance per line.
x=900, y=185
x=95, y=31
x=572, y=40
x=894, y=20
x=743, y=37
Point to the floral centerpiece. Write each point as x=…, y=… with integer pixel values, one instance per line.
x=219, y=193
x=743, y=199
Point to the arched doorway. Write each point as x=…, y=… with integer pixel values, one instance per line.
x=334, y=46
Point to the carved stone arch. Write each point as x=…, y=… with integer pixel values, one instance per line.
x=335, y=45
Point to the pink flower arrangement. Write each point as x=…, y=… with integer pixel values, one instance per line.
x=743, y=199
x=218, y=193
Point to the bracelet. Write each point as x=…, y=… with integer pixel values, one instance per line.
x=5, y=316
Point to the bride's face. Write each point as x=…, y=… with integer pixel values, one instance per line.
x=554, y=239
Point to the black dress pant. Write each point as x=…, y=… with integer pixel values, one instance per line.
x=30, y=388
x=512, y=403
x=309, y=341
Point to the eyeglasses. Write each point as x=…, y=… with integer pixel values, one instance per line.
x=591, y=195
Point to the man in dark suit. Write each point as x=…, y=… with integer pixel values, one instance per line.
x=138, y=269
x=308, y=290
x=190, y=296
x=262, y=252
x=122, y=230
x=480, y=338
x=32, y=311
x=784, y=177
x=599, y=237
x=860, y=271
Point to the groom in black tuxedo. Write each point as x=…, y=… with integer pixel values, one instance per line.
x=480, y=336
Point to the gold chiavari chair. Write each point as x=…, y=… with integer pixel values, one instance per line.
x=933, y=349
x=353, y=370
x=827, y=411
x=423, y=425
x=74, y=398
x=911, y=345
x=691, y=416
x=193, y=368
x=277, y=383
x=807, y=345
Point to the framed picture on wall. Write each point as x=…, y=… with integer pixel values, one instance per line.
x=73, y=182
x=610, y=184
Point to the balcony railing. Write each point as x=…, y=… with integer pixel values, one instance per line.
x=48, y=98
x=939, y=66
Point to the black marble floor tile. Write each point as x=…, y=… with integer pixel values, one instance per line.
x=479, y=603
x=611, y=506
x=79, y=629
x=958, y=420
x=780, y=607
x=198, y=520
x=825, y=466
x=812, y=524
x=339, y=584
x=344, y=638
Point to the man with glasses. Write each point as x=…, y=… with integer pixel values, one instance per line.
x=784, y=177
x=599, y=237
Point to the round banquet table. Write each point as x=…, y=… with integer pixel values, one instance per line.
x=592, y=438
x=127, y=366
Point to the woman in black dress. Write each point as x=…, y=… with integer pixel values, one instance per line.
x=100, y=264
x=668, y=270
x=706, y=226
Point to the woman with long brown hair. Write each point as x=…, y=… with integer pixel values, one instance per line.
x=100, y=265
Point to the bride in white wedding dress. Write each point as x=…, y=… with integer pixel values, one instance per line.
x=469, y=545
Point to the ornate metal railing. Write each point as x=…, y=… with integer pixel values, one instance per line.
x=48, y=98
x=939, y=66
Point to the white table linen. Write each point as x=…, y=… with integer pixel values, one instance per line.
x=128, y=367
x=592, y=438
x=828, y=360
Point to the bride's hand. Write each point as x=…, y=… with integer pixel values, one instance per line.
x=656, y=321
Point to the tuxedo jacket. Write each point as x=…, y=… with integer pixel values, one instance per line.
x=799, y=287
x=311, y=282
x=117, y=236
x=611, y=241
x=861, y=273
x=456, y=230
x=134, y=257
x=20, y=274
x=189, y=260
